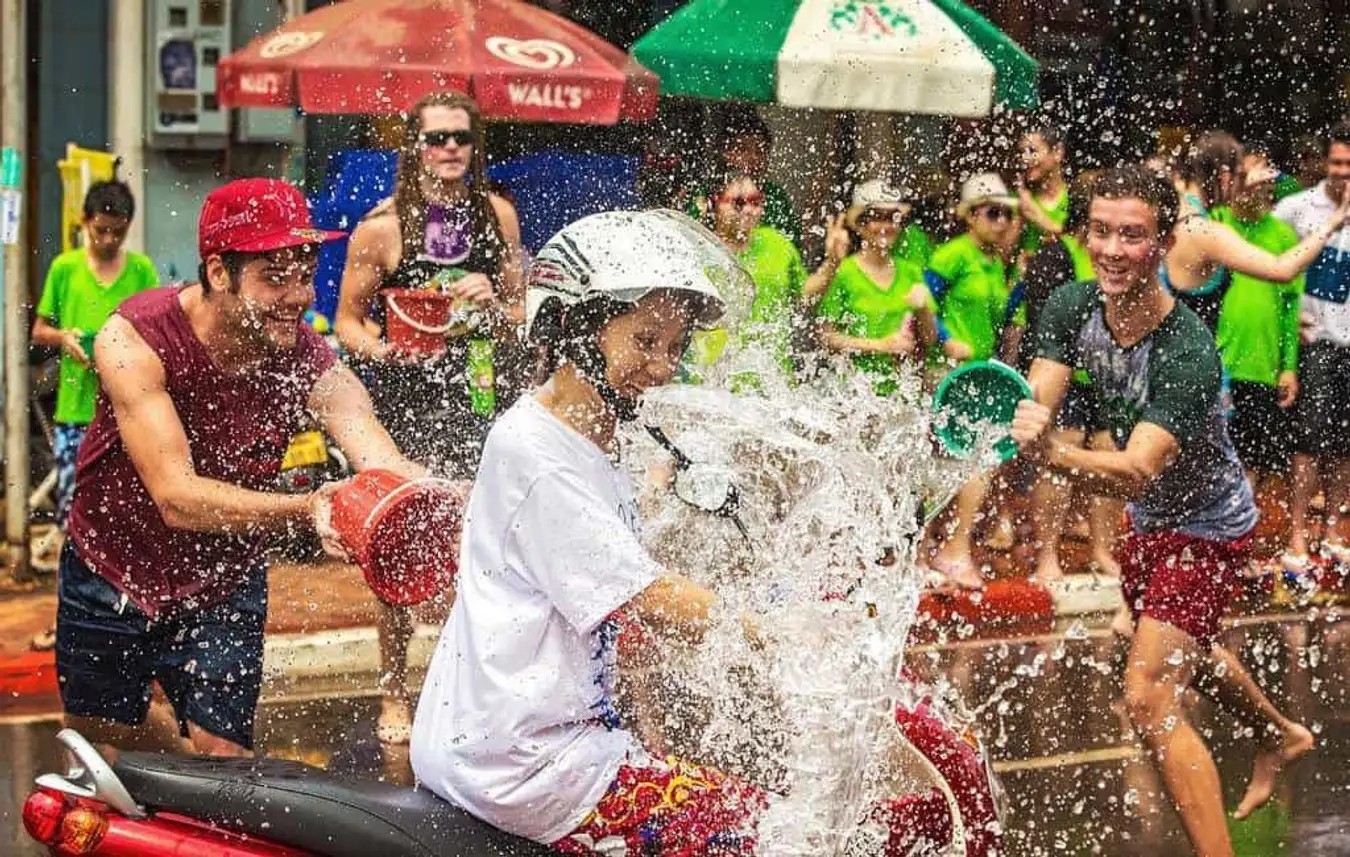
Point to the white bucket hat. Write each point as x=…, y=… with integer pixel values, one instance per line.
x=982, y=189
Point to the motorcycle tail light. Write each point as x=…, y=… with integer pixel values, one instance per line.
x=82, y=829
x=42, y=814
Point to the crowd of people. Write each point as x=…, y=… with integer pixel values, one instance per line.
x=1183, y=326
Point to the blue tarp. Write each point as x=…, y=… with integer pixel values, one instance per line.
x=550, y=188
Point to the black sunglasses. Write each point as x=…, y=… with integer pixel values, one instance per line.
x=439, y=139
x=995, y=213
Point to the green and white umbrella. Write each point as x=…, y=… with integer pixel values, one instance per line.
x=908, y=56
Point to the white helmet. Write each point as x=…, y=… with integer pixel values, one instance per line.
x=622, y=256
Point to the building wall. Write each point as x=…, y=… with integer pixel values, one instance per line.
x=69, y=76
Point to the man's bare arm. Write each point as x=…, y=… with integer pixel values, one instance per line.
x=343, y=407
x=1125, y=473
x=157, y=444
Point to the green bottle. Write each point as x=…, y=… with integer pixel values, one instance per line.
x=481, y=378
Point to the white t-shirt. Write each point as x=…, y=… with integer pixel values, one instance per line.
x=1329, y=274
x=516, y=721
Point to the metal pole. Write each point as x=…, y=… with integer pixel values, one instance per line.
x=126, y=102
x=13, y=133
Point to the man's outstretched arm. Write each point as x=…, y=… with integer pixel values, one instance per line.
x=153, y=434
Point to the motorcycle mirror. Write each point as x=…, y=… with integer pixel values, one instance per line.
x=706, y=487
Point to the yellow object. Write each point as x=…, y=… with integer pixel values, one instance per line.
x=81, y=168
x=306, y=448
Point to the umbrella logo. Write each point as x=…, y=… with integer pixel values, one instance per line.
x=540, y=54
x=285, y=44
x=872, y=19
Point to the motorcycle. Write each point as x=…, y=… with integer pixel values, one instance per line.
x=157, y=805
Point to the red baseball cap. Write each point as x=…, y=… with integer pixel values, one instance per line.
x=254, y=216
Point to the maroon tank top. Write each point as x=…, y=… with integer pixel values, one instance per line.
x=238, y=427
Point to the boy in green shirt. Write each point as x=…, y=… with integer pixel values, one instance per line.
x=1257, y=334
x=968, y=276
x=83, y=288
x=766, y=317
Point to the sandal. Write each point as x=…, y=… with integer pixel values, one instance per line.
x=44, y=641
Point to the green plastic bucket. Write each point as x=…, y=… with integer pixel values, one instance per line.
x=973, y=397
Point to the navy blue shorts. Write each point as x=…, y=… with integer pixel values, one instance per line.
x=208, y=662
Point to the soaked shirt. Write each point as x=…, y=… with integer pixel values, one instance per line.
x=1170, y=378
x=238, y=426
x=516, y=722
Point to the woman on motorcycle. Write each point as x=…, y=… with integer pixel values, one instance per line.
x=517, y=720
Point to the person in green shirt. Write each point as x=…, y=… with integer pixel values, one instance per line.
x=767, y=318
x=746, y=143
x=1043, y=193
x=968, y=275
x=871, y=297
x=1257, y=333
x=83, y=288
x=968, y=278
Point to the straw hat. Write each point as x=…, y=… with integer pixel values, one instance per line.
x=982, y=189
x=876, y=193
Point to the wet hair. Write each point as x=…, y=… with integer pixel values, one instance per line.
x=1139, y=182
x=1053, y=137
x=409, y=203
x=1206, y=160
x=721, y=175
x=746, y=123
x=112, y=198
x=1080, y=199
x=1337, y=133
x=234, y=262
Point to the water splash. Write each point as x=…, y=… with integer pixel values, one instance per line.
x=832, y=481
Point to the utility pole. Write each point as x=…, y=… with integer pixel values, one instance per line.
x=13, y=134
x=126, y=101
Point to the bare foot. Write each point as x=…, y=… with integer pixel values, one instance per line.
x=1047, y=571
x=1004, y=535
x=1122, y=624
x=1270, y=759
x=959, y=571
x=1104, y=563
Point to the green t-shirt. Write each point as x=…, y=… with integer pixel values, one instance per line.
x=1286, y=185
x=1058, y=212
x=1257, y=332
x=1171, y=379
x=859, y=307
x=73, y=298
x=913, y=246
x=764, y=318
x=779, y=212
x=971, y=290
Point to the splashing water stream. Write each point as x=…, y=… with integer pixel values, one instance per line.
x=831, y=479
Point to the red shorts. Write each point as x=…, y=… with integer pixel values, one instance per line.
x=1185, y=581
x=676, y=809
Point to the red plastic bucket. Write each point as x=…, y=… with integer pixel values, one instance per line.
x=404, y=533
x=417, y=320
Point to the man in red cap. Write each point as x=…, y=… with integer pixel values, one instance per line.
x=163, y=577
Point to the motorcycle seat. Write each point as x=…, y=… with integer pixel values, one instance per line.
x=294, y=804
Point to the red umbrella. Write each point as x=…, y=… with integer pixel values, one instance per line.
x=380, y=56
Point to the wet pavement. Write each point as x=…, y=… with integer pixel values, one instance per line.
x=1047, y=707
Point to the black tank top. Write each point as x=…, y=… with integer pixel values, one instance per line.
x=425, y=406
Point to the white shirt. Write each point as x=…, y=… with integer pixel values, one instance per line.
x=1306, y=211
x=516, y=721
